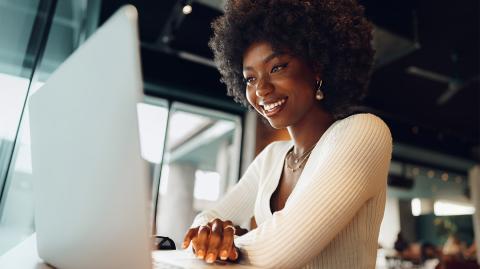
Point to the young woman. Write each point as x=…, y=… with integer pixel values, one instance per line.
x=319, y=198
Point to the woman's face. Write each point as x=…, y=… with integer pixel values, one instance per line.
x=280, y=87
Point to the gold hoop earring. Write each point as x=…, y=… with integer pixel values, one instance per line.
x=319, y=94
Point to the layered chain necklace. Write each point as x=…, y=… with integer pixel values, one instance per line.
x=297, y=160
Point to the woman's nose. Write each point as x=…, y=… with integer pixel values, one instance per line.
x=264, y=87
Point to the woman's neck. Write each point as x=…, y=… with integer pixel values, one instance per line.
x=306, y=132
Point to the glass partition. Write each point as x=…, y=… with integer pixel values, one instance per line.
x=38, y=36
x=21, y=26
x=201, y=162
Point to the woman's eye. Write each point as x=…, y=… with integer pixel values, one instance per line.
x=248, y=80
x=279, y=67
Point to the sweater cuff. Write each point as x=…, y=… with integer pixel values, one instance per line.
x=201, y=219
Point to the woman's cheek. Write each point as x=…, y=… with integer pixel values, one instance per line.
x=250, y=97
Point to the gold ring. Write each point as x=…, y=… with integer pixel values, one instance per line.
x=229, y=226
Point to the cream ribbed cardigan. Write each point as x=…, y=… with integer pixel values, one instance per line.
x=332, y=217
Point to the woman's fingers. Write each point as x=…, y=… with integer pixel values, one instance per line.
x=191, y=233
x=227, y=242
x=216, y=236
x=194, y=245
x=202, y=241
x=233, y=253
x=212, y=241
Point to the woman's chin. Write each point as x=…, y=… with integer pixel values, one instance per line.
x=277, y=124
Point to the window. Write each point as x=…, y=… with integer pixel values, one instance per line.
x=29, y=27
x=18, y=52
x=152, y=121
x=201, y=162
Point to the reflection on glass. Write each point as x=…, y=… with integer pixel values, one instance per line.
x=12, y=96
x=201, y=162
x=152, y=120
x=17, y=19
x=17, y=49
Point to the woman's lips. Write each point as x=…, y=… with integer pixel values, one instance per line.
x=274, y=111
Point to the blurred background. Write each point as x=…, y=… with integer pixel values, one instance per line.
x=198, y=142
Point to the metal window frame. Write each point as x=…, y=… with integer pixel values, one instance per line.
x=36, y=46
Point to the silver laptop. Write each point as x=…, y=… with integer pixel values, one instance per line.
x=90, y=183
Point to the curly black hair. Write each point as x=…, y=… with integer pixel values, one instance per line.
x=333, y=36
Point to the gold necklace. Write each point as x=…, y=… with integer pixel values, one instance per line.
x=298, y=160
x=299, y=164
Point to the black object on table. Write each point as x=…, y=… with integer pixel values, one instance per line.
x=164, y=243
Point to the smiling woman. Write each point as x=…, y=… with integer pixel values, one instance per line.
x=319, y=198
x=332, y=37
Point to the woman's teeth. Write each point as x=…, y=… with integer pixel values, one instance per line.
x=272, y=106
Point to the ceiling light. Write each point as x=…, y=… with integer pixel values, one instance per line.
x=187, y=9
x=421, y=206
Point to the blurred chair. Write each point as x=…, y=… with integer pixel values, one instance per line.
x=460, y=265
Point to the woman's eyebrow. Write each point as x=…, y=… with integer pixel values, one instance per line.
x=271, y=56
x=267, y=59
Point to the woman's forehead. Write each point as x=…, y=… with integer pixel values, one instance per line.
x=261, y=52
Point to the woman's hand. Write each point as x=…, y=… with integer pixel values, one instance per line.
x=214, y=240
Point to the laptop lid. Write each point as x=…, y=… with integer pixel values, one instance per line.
x=90, y=183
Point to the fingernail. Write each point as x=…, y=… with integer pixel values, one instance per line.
x=200, y=253
x=210, y=258
x=223, y=255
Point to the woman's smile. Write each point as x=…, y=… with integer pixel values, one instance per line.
x=271, y=109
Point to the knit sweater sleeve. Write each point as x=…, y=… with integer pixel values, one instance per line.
x=238, y=204
x=350, y=169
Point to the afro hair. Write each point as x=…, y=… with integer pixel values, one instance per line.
x=332, y=36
